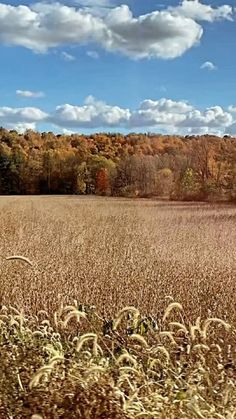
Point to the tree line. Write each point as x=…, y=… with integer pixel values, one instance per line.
x=134, y=165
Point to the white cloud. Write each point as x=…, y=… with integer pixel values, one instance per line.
x=150, y=118
x=166, y=105
x=161, y=112
x=29, y=94
x=68, y=131
x=165, y=115
x=67, y=57
x=93, y=114
x=93, y=54
x=19, y=117
x=232, y=109
x=204, y=131
x=21, y=127
x=213, y=117
x=163, y=34
x=208, y=65
x=157, y=34
x=43, y=26
x=202, y=12
x=231, y=130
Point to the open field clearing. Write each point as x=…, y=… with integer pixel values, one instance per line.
x=112, y=254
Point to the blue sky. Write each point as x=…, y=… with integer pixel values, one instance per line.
x=103, y=65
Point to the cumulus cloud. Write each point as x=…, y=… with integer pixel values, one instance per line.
x=204, y=131
x=213, y=117
x=43, y=26
x=157, y=34
x=231, y=129
x=21, y=118
x=161, y=112
x=93, y=114
x=166, y=105
x=164, y=115
x=165, y=34
x=232, y=109
x=29, y=94
x=203, y=12
x=21, y=127
x=67, y=131
x=208, y=65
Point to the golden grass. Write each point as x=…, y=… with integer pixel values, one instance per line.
x=113, y=253
x=129, y=371
x=118, y=308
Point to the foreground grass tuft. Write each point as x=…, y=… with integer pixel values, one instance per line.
x=77, y=364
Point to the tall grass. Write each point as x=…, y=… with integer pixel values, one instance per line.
x=151, y=332
x=80, y=365
x=114, y=253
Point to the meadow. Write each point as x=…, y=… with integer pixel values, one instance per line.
x=122, y=308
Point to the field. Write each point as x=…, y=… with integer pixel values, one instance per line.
x=93, y=257
x=113, y=253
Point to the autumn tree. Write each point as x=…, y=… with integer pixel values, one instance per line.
x=149, y=164
x=102, y=182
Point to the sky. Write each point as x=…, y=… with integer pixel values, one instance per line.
x=88, y=66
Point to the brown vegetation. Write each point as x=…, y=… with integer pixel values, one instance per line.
x=97, y=256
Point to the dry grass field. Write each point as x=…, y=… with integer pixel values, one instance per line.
x=112, y=254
